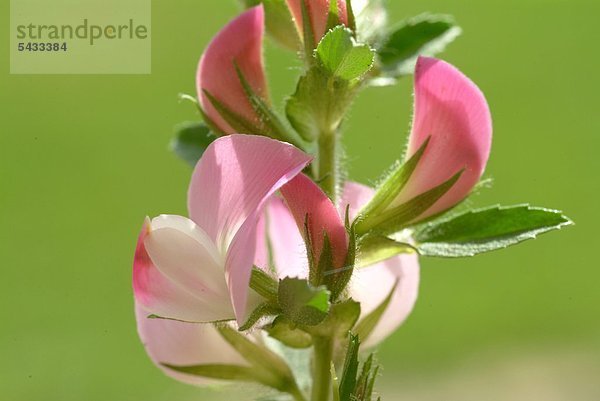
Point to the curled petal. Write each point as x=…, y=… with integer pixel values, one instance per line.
x=177, y=274
x=451, y=110
x=183, y=344
x=240, y=42
x=312, y=208
x=280, y=244
x=318, y=11
x=229, y=187
x=371, y=285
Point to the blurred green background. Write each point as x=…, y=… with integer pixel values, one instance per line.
x=84, y=158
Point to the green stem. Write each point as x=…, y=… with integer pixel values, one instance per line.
x=327, y=162
x=297, y=394
x=323, y=355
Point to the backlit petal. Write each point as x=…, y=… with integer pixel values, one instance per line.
x=451, y=109
x=177, y=273
x=241, y=42
x=183, y=344
x=230, y=185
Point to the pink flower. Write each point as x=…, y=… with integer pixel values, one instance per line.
x=312, y=209
x=452, y=111
x=318, y=11
x=198, y=269
x=241, y=43
x=370, y=285
x=184, y=344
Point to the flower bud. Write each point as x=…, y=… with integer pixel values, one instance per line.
x=318, y=12
x=239, y=43
x=323, y=229
x=452, y=112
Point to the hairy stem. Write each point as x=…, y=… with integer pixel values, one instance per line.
x=328, y=163
x=323, y=355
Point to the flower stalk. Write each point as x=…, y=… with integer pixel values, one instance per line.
x=312, y=262
x=328, y=163
x=322, y=358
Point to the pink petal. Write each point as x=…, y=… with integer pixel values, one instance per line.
x=318, y=11
x=175, y=274
x=240, y=42
x=356, y=196
x=371, y=285
x=451, y=109
x=281, y=239
x=229, y=187
x=309, y=204
x=183, y=344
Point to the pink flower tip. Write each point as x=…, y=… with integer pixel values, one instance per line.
x=452, y=111
x=239, y=42
x=318, y=11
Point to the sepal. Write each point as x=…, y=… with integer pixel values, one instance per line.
x=266, y=368
x=407, y=214
x=342, y=57
x=354, y=386
x=302, y=303
x=289, y=334
x=375, y=249
x=393, y=184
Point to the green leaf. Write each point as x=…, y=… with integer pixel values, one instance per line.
x=371, y=21
x=374, y=249
x=366, y=380
x=285, y=332
x=302, y=303
x=237, y=121
x=366, y=326
x=319, y=103
x=351, y=17
x=272, y=124
x=341, y=319
x=322, y=273
x=333, y=15
x=221, y=372
x=348, y=380
x=274, y=371
x=308, y=33
x=301, y=108
x=485, y=230
x=280, y=24
x=263, y=310
x=264, y=285
x=393, y=184
x=342, y=276
x=342, y=57
x=426, y=34
x=399, y=217
x=191, y=140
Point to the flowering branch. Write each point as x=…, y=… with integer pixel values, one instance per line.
x=280, y=255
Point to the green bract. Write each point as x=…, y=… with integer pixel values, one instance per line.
x=426, y=35
x=301, y=303
x=342, y=57
x=191, y=140
x=485, y=230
